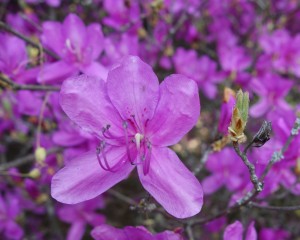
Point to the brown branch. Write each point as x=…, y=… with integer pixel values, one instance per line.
x=254, y=179
x=9, y=29
x=7, y=83
x=277, y=156
x=275, y=208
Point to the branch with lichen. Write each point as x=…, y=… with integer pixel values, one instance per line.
x=9, y=84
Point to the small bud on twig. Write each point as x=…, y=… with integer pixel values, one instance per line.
x=263, y=134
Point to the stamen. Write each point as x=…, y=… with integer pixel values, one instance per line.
x=146, y=165
x=125, y=126
x=106, y=133
x=100, y=150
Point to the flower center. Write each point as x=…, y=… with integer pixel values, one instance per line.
x=142, y=144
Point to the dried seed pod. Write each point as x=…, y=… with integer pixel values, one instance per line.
x=263, y=134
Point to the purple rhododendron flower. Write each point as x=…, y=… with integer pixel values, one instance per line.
x=270, y=234
x=235, y=230
x=106, y=232
x=272, y=89
x=135, y=120
x=9, y=210
x=13, y=60
x=79, y=215
x=77, y=45
x=203, y=70
x=220, y=164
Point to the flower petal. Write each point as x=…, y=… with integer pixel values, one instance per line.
x=133, y=89
x=52, y=37
x=95, y=40
x=260, y=108
x=106, y=232
x=234, y=231
x=74, y=30
x=251, y=233
x=212, y=183
x=56, y=72
x=13, y=231
x=83, y=178
x=95, y=69
x=177, y=111
x=172, y=184
x=76, y=231
x=85, y=101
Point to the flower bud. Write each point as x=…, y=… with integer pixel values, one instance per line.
x=34, y=173
x=40, y=154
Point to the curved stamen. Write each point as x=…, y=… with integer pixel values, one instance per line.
x=146, y=165
x=104, y=157
x=125, y=126
x=100, y=150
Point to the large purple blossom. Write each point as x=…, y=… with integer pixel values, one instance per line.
x=135, y=120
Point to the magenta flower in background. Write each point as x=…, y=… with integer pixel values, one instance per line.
x=284, y=50
x=118, y=46
x=9, y=210
x=79, y=215
x=25, y=22
x=106, y=232
x=52, y=3
x=220, y=164
x=120, y=14
x=135, y=120
x=270, y=234
x=235, y=231
x=203, y=70
x=234, y=58
x=77, y=45
x=14, y=60
x=271, y=89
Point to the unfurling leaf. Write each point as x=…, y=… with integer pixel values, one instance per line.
x=239, y=117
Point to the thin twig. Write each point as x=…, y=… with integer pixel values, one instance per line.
x=189, y=232
x=202, y=161
x=7, y=83
x=277, y=156
x=275, y=208
x=242, y=202
x=56, y=230
x=27, y=159
x=27, y=39
x=253, y=177
x=122, y=197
